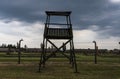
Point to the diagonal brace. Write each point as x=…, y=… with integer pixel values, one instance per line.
x=58, y=49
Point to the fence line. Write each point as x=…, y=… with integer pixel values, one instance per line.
x=77, y=44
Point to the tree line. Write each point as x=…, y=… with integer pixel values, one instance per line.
x=3, y=45
x=8, y=46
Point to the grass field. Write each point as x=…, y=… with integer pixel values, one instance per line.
x=108, y=67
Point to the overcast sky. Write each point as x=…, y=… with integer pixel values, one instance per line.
x=92, y=20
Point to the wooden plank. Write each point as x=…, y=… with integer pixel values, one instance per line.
x=57, y=24
x=58, y=13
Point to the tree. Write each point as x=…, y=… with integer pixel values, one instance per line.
x=3, y=46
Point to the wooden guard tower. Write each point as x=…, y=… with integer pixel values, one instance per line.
x=58, y=34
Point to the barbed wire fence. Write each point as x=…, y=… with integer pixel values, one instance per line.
x=32, y=49
x=108, y=46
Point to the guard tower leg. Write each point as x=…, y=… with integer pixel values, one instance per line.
x=71, y=57
x=42, y=59
x=74, y=64
x=44, y=52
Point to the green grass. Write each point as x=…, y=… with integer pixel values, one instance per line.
x=108, y=67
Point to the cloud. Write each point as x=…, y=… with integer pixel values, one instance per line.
x=31, y=11
x=32, y=35
x=13, y=31
x=115, y=1
x=96, y=19
x=83, y=35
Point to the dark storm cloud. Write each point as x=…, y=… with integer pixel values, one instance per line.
x=84, y=12
x=33, y=10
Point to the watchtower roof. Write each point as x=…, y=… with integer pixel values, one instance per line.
x=58, y=13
